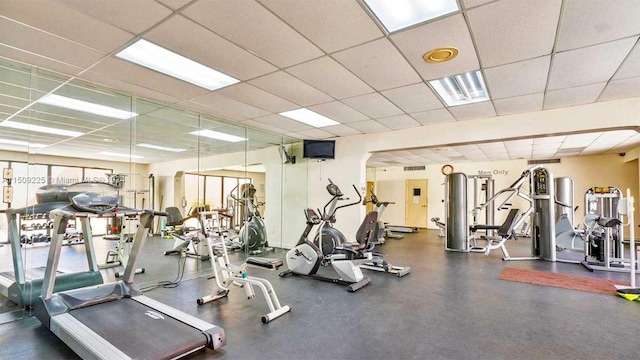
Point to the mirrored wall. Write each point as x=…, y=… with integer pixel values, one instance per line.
x=56, y=132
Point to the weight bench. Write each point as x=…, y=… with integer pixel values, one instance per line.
x=505, y=232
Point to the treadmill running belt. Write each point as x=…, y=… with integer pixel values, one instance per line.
x=139, y=331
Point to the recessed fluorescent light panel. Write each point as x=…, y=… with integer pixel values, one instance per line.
x=85, y=106
x=109, y=153
x=399, y=14
x=217, y=135
x=309, y=117
x=157, y=58
x=21, y=143
x=37, y=128
x=461, y=89
x=158, y=147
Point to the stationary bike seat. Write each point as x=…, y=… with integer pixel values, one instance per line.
x=267, y=263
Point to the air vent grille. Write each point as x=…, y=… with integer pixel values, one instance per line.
x=414, y=168
x=543, y=161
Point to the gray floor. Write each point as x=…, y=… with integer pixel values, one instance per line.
x=452, y=306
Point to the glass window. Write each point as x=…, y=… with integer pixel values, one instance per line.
x=213, y=191
x=26, y=180
x=96, y=175
x=194, y=190
x=65, y=175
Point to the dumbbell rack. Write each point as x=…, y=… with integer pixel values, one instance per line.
x=40, y=223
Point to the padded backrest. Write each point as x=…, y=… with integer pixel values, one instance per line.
x=367, y=230
x=506, y=229
x=174, y=217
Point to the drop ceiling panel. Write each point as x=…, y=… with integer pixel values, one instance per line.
x=13, y=54
x=631, y=65
x=174, y=4
x=289, y=87
x=519, y=104
x=620, y=89
x=379, y=64
x=282, y=122
x=521, y=78
x=125, y=86
x=188, y=39
x=253, y=27
x=399, y=122
x=341, y=25
x=257, y=97
x=38, y=42
x=315, y=134
x=589, y=22
x=513, y=30
x=263, y=126
x=473, y=3
x=339, y=112
x=133, y=16
x=413, y=98
x=341, y=130
x=473, y=111
x=129, y=72
x=433, y=117
x=330, y=77
x=369, y=127
x=61, y=20
x=450, y=31
x=373, y=105
x=211, y=111
x=573, y=96
x=226, y=104
x=571, y=68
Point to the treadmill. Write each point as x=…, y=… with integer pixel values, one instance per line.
x=23, y=286
x=115, y=321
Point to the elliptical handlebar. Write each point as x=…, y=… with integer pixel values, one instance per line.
x=337, y=195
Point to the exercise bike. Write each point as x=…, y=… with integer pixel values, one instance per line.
x=252, y=233
x=306, y=257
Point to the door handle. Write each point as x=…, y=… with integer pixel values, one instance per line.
x=424, y=205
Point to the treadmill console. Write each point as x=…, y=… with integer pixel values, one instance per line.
x=312, y=217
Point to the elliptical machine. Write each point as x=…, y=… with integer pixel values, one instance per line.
x=306, y=257
x=382, y=233
x=252, y=233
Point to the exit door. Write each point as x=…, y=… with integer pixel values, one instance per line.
x=416, y=203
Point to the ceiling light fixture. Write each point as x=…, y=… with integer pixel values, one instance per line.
x=461, y=89
x=85, y=106
x=440, y=55
x=309, y=117
x=21, y=143
x=399, y=14
x=38, y=128
x=157, y=58
x=158, y=147
x=217, y=135
x=109, y=153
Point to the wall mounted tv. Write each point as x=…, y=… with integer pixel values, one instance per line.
x=318, y=149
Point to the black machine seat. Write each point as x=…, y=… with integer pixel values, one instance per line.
x=477, y=227
x=174, y=217
x=267, y=263
x=366, y=233
x=608, y=222
x=506, y=229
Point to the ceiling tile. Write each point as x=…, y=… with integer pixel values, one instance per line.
x=339, y=112
x=282, y=122
x=588, y=65
x=341, y=130
x=399, y=122
x=373, y=105
x=289, y=87
x=631, y=65
x=253, y=27
x=174, y=4
x=369, y=127
x=257, y=97
x=206, y=110
x=341, y=25
x=450, y=31
x=125, y=86
x=589, y=22
x=379, y=64
x=316, y=134
x=124, y=14
x=413, y=98
x=56, y=18
x=29, y=58
x=620, y=89
x=573, y=96
x=519, y=104
x=186, y=38
x=513, y=30
x=433, y=117
x=330, y=77
x=473, y=111
x=473, y=3
x=138, y=75
x=38, y=42
x=263, y=126
x=521, y=78
x=223, y=103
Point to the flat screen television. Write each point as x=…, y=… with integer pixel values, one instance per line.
x=318, y=149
